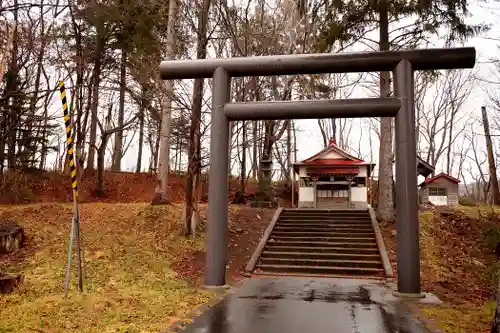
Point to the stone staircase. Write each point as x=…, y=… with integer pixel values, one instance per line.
x=316, y=242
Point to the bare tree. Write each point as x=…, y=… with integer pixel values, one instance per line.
x=491, y=160
x=441, y=117
x=385, y=203
x=161, y=190
x=334, y=86
x=191, y=217
x=106, y=131
x=475, y=167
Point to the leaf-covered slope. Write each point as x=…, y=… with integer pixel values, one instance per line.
x=129, y=286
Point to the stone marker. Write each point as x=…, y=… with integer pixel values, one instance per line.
x=11, y=237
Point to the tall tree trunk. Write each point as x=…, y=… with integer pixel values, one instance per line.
x=152, y=148
x=156, y=150
x=4, y=105
x=255, y=166
x=177, y=148
x=230, y=144
x=323, y=132
x=243, y=158
x=31, y=149
x=83, y=124
x=334, y=130
x=495, y=328
x=12, y=87
x=385, y=206
x=96, y=75
x=142, y=111
x=256, y=142
x=44, y=148
x=450, y=133
x=491, y=159
x=194, y=151
x=2, y=141
x=118, y=149
x=161, y=190
x=101, y=151
x=79, y=132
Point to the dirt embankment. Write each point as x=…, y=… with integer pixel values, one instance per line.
x=38, y=186
x=140, y=274
x=47, y=186
x=246, y=226
x=458, y=264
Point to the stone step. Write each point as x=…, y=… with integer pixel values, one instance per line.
x=344, y=244
x=320, y=249
x=321, y=262
x=314, y=235
x=326, y=228
x=310, y=224
x=324, y=221
x=331, y=232
x=334, y=238
x=324, y=211
x=375, y=276
x=322, y=242
x=319, y=269
x=336, y=216
x=313, y=212
x=320, y=255
x=307, y=224
x=312, y=217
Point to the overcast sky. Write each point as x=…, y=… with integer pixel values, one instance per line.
x=309, y=139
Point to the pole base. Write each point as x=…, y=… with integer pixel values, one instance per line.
x=217, y=288
x=408, y=295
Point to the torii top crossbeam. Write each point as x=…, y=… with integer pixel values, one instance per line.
x=376, y=61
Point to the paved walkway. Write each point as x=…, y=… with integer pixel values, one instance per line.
x=306, y=305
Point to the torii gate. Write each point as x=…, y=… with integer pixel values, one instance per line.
x=401, y=63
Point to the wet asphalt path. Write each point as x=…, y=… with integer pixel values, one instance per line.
x=307, y=305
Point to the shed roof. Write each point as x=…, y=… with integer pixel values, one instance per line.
x=441, y=175
x=424, y=168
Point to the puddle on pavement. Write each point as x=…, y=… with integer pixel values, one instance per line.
x=291, y=310
x=311, y=294
x=268, y=297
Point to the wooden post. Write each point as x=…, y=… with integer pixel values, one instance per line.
x=349, y=180
x=293, y=170
x=315, y=193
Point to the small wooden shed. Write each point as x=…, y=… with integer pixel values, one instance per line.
x=440, y=190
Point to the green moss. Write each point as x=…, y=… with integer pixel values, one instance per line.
x=465, y=318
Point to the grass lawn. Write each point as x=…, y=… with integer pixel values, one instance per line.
x=128, y=284
x=465, y=318
x=457, y=265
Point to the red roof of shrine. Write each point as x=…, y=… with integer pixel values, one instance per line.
x=347, y=160
x=332, y=161
x=329, y=171
x=332, y=147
